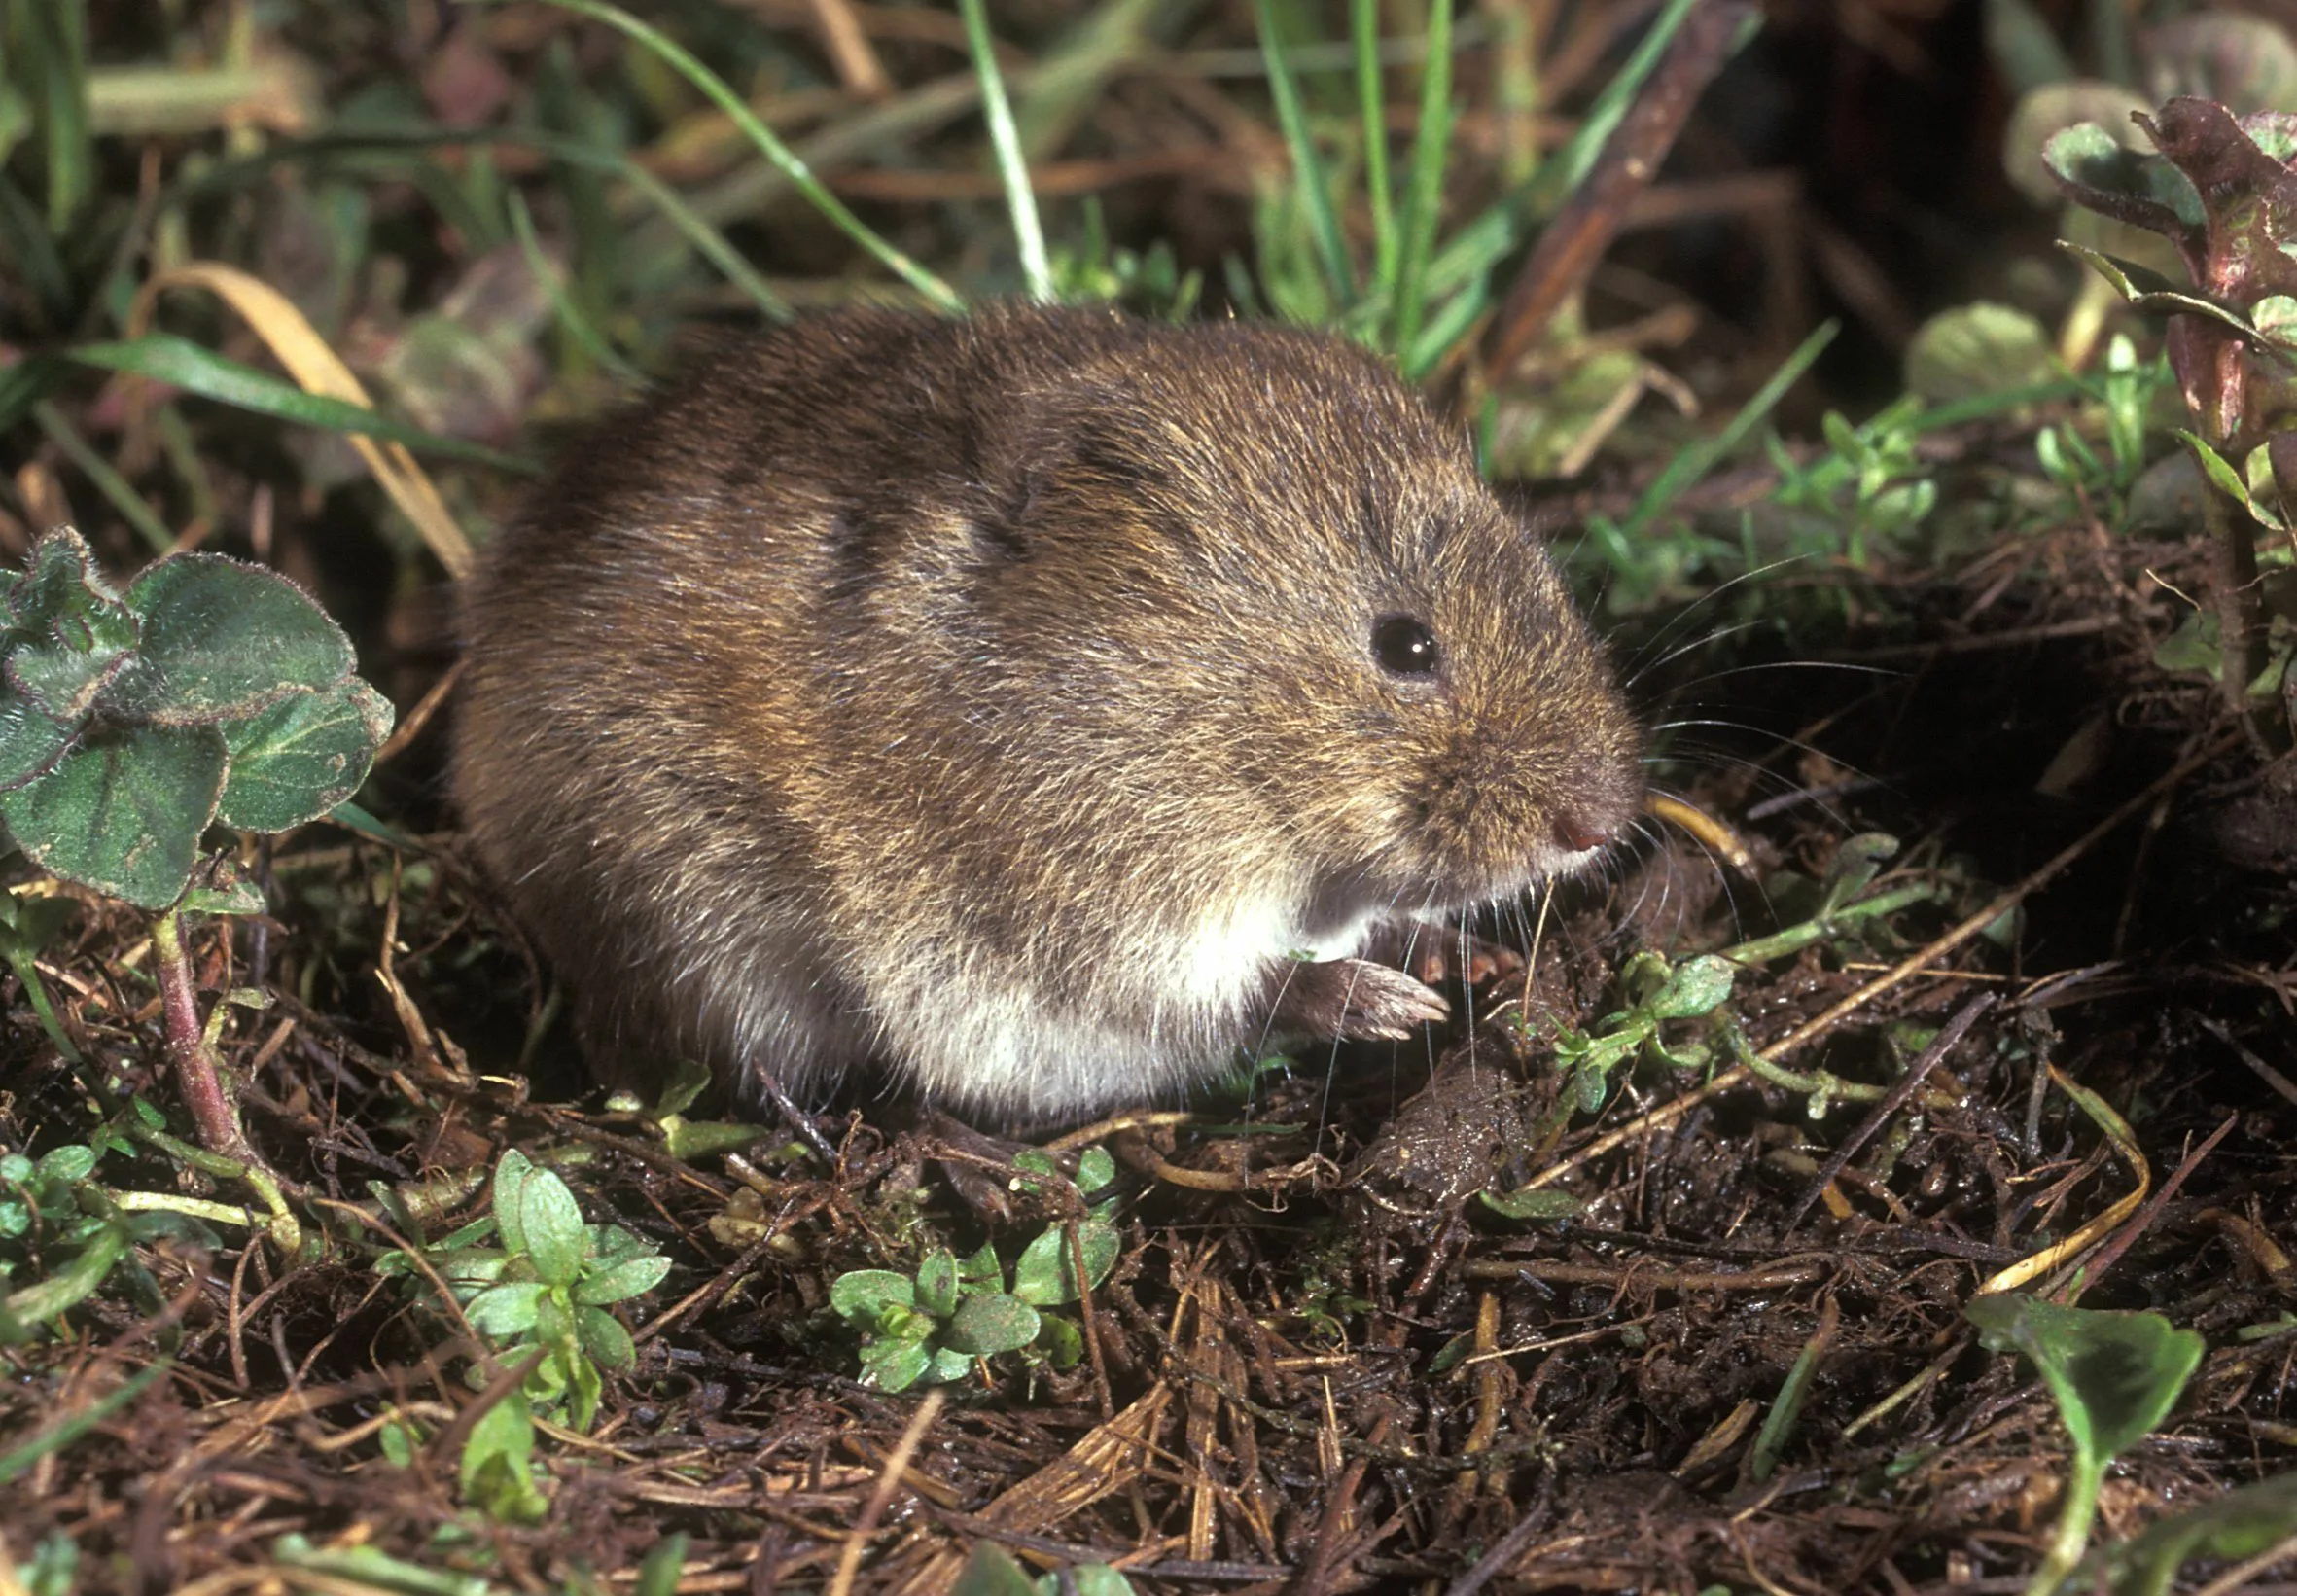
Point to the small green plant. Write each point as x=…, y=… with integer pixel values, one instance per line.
x=1657, y=991
x=2241, y=1523
x=2113, y=1375
x=990, y=1571
x=540, y=1296
x=931, y=1325
x=63, y=1234
x=1871, y=483
x=2223, y=191
x=208, y=693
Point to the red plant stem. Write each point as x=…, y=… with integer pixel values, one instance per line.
x=197, y=1072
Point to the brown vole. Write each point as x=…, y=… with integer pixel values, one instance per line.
x=1038, y=705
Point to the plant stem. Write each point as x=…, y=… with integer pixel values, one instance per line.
x=2234, y=575
x=199, y=1074
x=2083, y=1478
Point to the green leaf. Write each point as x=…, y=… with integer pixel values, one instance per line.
x=70, y=633
x=936, y=1283
x=1099, y=1579
x=990, y=1571
x=72, y=1161
x=31, y=741
x=988, y=1323
x=122, y=815
x=604, y=1338
x=1697, y=986
x=510, y=1173
x=1046, y=1272
x=1062, y=1341
x=858, y=1295
x=223, y=639
x=506, y=1310
x=894, y=1365
x=182, y=364
x=1095, y=1169
x=552, y=1223
x=2115, y=1375
x=498, y=1462
x=294, y=762
x=1977, y=349
x=948, y=1367
x=23, y=1312
x=1534, y=1203
x=632, y=1277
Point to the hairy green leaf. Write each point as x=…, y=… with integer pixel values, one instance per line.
x=292, y=762
x=124, y=813
x=223, y=640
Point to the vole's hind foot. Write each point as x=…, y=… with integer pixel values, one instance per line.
x=1356, y=999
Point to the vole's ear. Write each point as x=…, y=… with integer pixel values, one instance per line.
x=1083, y=464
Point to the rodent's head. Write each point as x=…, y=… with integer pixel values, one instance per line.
x=1262, y=554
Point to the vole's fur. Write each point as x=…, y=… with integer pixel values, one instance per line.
x=996, y=700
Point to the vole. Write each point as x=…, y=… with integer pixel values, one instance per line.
x=1035, y=706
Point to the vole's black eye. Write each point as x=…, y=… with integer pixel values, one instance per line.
x=1403, y=646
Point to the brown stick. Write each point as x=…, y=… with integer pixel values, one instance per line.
x=1579, y=232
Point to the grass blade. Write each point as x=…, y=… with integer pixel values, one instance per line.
x=115, y=488
x=571, y=315
x=1012, y=167
x=1564, y=170
x=1308, y=172
x=737, y=110
x=57, y=39
x=195, y=369
x=1423, y=200
x=1363, y=24
x=1695, y=461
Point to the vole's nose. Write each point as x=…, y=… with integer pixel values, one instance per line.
x=1580, y=832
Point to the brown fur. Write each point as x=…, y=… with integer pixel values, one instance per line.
x=994, y=701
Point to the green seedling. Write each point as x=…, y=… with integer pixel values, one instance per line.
x=1657, y=992
x=63, y=1234
x=932, y=1326
x=206, y=693
x=538, y=1296
x=1871, y=482
x=2113, y=1375
x=990, y=1571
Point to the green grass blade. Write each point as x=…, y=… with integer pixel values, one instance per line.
x=1423, y=199
x=55, y=37
x=707, y=240
x=70, y=1428
x=1013, y=169
x=571, y=315
x=179, y=362
x=1695, y=461
x=1308, y=172
x=1453, y=321
x=1564, y=170
x=109, y=482
x=719, y=93
x=1363, y=26
x=26, y=243
x=24, y=384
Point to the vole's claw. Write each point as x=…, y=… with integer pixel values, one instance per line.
x=1357, y=999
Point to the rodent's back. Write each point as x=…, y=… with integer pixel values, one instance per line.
x=990, y=698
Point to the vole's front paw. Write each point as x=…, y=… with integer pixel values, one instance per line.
x=1432, y=953
x=1356, y=999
